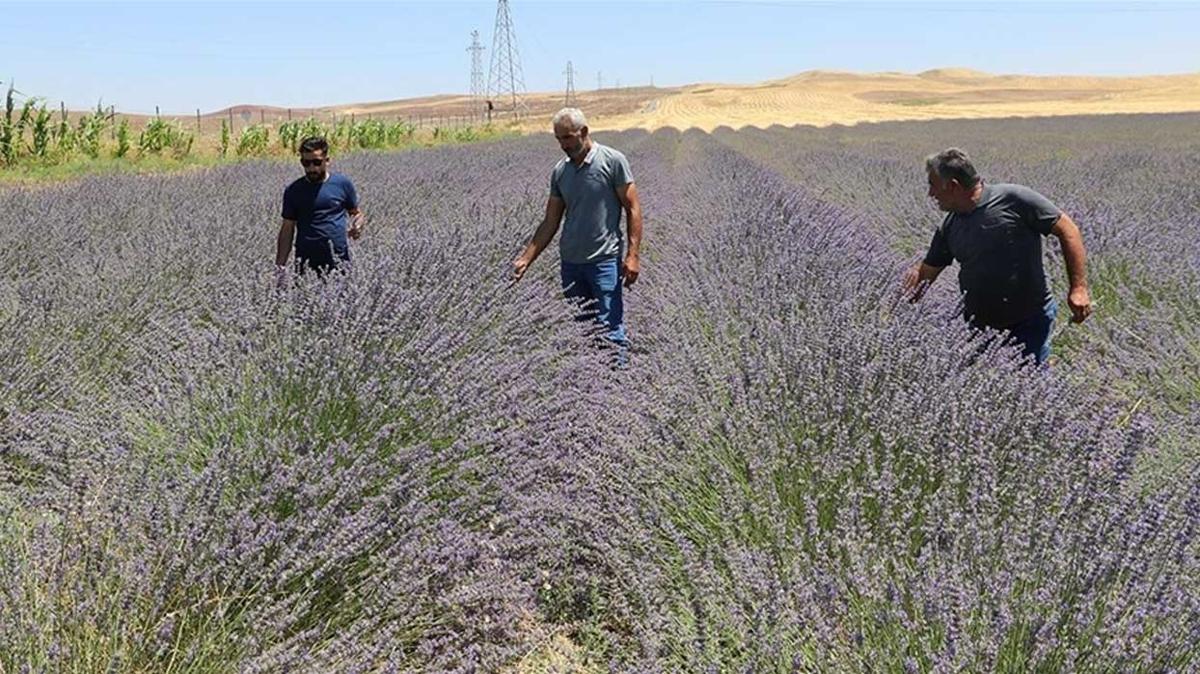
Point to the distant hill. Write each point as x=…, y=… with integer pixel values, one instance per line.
x=817, y=97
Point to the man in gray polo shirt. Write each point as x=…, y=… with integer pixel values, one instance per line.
x=592, y=185
x=995, y=232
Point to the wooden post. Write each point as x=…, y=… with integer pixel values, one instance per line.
x=289, y=114
x=197, y=120
x=231, y=121
x=112, y=127
x=156, y=112
x=262, y=116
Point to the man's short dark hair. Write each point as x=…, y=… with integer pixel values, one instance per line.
x=314, y=144
x=953, y=164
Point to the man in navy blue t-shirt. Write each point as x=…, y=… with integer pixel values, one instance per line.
x=995, y=234
x=319, y=211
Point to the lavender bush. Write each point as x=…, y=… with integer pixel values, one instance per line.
x=415, y=467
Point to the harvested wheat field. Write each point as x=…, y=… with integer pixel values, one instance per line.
x=823, y=98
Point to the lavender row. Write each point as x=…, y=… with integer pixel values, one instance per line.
x=418, y=468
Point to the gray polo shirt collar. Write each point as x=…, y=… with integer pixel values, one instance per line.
x=591, y=154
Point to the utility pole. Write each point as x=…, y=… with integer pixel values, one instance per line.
x=505, y=79
x=477, y=86
x=570, y=73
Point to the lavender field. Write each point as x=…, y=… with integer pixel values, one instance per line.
x=416, y=467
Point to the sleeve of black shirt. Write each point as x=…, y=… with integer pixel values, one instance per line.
x=938, y=254
x=288, y=212
x=1038, y=212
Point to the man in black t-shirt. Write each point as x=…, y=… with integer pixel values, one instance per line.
x=320, y=210
x=995, y=233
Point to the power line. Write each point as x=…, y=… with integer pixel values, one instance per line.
x=505, y=79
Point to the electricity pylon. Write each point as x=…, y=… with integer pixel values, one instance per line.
x=506, y=83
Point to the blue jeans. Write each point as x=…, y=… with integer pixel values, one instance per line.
x=598, y=285
x=1033, y=333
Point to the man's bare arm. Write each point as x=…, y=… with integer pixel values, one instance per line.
x=555, y=208
x=283, y=243
x=631, y=267
x=1071, y=239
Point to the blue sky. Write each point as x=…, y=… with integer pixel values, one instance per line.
x=182, y=56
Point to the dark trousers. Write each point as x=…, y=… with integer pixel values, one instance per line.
x=321, y=257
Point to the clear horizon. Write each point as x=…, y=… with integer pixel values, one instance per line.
x=184, y=56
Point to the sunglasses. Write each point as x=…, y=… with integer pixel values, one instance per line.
x=311, y=162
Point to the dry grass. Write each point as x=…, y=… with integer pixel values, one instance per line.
x=818, y=98
x=556, y=655
x=822, y=98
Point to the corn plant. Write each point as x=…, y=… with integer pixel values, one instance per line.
x=289, y=135
x=399, y=133
x=122, y=148
x=254, y=140
x=90, y=128
x=24, y=120
x=466, y=134
x=65, y=137
x=164, y=136
x=42, y=131
x=311, y=127
x=7, y=146
x=371, y=134
x=343, y=133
